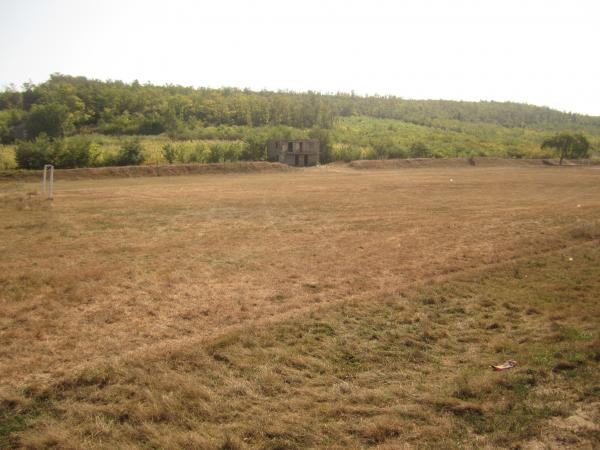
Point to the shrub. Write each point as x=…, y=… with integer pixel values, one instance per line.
x=200, y=153
x=396, y=151
x=380, y=150
x=420, y=150
x=233, y=151
x=255, y=148
x=169, y=153
x=124, y=123
x=51, y=119
x=214, y=153
x=387, y=148
x=325, y=144
x=35, y=154
x=180, y=153
x=347, y=153
x=130, y=154
x=151, y=125
x=514, y=152
x=77, y=152
x=224, y=151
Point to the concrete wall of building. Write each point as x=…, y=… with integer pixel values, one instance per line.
x=304, y=152
x=299, y=160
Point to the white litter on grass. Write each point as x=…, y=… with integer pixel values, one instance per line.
x=579, y=206
x=451, y=180
x=570, y=259
x=505, y=365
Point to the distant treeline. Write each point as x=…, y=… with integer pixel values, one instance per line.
x=66, y=105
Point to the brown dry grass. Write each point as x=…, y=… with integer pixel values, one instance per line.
x=283, y=310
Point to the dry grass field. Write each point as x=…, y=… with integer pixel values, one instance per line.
x=322, y=308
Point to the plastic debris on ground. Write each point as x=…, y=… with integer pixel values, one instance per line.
x=505, y=365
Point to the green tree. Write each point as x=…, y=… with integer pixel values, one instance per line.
x=51, y=119
x=568, y=145
x=6, y=133
x=34, y=154
x=169, y=153
x=420, y=150
x=255, y=148
x=325, y=144
x=76, y=152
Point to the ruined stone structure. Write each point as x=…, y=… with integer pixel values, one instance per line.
x=296, y=152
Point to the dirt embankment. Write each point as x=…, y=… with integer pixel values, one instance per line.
x=263, y=166
x=462, y=162
x=146, y=171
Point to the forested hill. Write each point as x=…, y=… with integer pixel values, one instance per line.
x=66, y=105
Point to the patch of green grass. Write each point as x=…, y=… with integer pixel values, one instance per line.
x=16, y=418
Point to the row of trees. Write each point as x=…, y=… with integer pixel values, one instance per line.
x=66, y=105
x=79, y=152
x=83, y=152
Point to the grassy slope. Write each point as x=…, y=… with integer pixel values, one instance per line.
x=405, y=368
x=452, y=139
x=444, y=139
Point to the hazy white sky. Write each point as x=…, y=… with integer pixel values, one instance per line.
x=539, y=52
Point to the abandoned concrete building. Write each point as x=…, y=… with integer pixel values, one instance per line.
x=297, y=152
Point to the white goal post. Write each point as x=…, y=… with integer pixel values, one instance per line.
x=48, y=181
